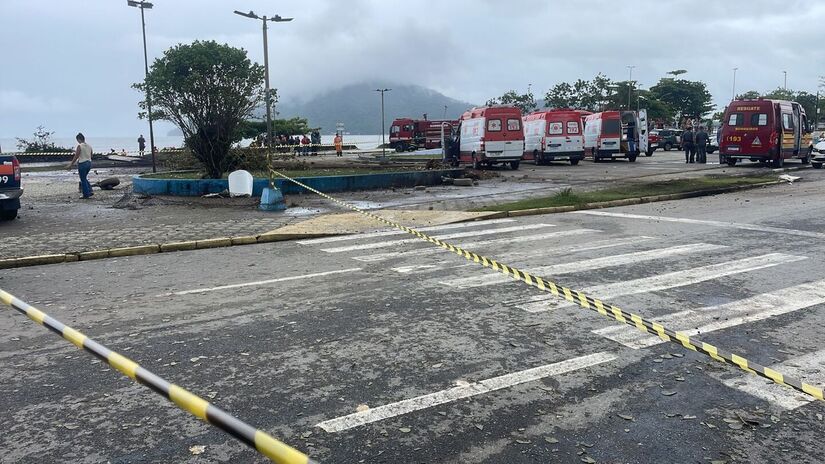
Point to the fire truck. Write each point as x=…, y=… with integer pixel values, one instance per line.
x=412, y=134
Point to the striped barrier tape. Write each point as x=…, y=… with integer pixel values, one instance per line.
x=264, y=443
x=593, y=304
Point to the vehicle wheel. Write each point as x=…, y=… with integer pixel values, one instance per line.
x=8, y=214
x=574, y=161
x=536, y=159
x=779, y=162
x=476, y=163
x=732, y=162
x=631, y=158
x=668, y=146
x=649, y=153
x=817, y=165
x=514, y=164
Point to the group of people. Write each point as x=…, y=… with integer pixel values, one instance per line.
x=695, y=145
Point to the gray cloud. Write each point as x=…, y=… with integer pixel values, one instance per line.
x=70, y=65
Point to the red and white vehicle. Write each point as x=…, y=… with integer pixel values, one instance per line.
x=554, y=135
x=491, y=135
x=605, y=135
x=768, y=131
x=412, y=134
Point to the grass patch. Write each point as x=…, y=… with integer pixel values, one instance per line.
x=568, y=197
x=319, y=172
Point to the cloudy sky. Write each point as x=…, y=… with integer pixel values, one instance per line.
x=69, y=64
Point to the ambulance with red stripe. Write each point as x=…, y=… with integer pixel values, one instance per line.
x=766, y=131
x=491, y=135
x=10, y=190
x=554, y=135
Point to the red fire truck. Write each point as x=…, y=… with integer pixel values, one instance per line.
x=412, y=134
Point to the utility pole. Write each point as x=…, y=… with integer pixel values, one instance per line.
x=267, y=91
x=445, y=111
x=383, y=130
x=630, y=86
x=733, y=91
x=143, y=5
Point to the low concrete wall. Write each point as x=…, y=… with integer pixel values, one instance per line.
x=198, y=187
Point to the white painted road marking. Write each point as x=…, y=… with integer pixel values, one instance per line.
x=810, y=367
x=672, y=279
x=709, y=319
x=472, y=233
x=262, y=282
x=730, y=225
x=539, y=238
x=586, y=264
x=462, y=391
x=460, y=225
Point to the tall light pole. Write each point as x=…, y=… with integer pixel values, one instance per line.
x=786, y=80
x=629, y=86
x=143, y=5
x=264, y=19
x=445, y=111
x=383, y=130
x=733, y=91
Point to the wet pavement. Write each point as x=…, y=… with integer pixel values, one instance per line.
x=382, y=350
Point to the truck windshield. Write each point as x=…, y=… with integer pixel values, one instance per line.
x=611, y=126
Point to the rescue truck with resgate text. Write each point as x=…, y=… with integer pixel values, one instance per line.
x=412, y=134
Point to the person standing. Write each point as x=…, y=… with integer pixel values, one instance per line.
x=305, y=145
x=631, y=138
x=701, y=138
x=688, y=145
x=141, y=144
x=339, y=144
x=83, y=158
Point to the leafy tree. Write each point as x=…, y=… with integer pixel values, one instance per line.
x=207, y=90
x=525, y=102
x=585, y=95
x=293, y=126
x=40, y=143
x=749, y=95
x=688, y=99
x=677, y=72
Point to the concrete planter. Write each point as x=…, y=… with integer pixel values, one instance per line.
x=327, y=184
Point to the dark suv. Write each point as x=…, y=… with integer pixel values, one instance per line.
x=667, y=139
x=10, y=190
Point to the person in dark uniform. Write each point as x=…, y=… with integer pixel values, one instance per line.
x=688, y=144
x=701, y=139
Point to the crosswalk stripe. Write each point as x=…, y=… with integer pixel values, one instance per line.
x=463, y=390
x=263, y=282
x=673, y=279
x=473, y=233
x=731, y=225
x=711, y=318
x=387, y=233
x=586, y=264
x=810, y=366
x=539, y=238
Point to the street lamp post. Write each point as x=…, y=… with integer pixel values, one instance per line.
x=383, y=130
x=630, y=86
x=733, y=91
x=143, y=5
x=786, y=80
x=267, y=91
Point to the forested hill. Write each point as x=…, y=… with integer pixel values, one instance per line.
x=359, y=107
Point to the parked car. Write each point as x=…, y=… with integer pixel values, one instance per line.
x=666, y=139
x=818, y=154
x=10, y=189
x=713, y=142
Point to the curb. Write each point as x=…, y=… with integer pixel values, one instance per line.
x=637, y=200
x=224, y=242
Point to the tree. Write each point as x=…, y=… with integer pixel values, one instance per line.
x=585, y=95
x=40, y=143
x=293, y=126
x=749, y=95
x=688, y=99
x=525, y=102
x=207, y=90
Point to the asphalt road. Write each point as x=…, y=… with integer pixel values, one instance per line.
x=445, y=361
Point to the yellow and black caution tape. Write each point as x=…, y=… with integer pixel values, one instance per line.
x=275, y=450
x=593, y=304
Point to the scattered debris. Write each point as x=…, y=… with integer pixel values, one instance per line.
x=362, y=408
x=466, y=182
x=197, y=449
x=789, y=178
